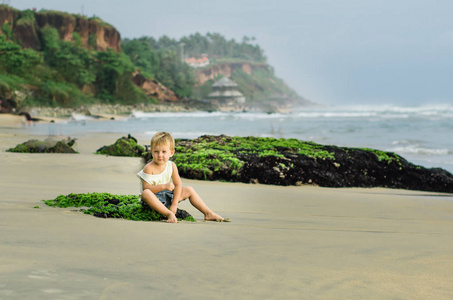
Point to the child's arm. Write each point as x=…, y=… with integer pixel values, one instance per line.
x=178, y=188
x=157, y=188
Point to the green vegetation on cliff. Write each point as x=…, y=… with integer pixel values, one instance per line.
x=59, y=59
x=258, y=84
x=213, y=45
x=51, y=71
x=161, y=64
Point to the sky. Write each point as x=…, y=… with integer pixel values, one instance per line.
x=340, y=52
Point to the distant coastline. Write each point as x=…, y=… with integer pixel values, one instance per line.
x=118, y=110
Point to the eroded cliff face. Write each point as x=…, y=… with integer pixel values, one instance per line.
x=7, y=15
x=154, y=89
x=26, y=28
x=225, y=69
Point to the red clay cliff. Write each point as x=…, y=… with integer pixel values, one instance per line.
x=27, y=25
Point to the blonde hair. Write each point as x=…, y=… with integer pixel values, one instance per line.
x=163, y=138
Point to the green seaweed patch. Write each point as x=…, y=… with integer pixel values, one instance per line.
x=47, y=146
x=124, y=146
x=388, y=157
x=208, y=161
x=214, y=157
x=264, y=146
x=213, y=153
x=106, y=205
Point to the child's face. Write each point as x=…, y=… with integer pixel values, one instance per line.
x=162, y=153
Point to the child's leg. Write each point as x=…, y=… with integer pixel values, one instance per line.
x=198, y=203
x=155, y=204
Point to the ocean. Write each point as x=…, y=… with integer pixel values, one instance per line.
x=423, y=134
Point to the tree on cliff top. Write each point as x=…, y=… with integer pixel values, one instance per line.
x=213, y=44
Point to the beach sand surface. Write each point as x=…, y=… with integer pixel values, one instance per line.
x=283, y=242
x=11, y=121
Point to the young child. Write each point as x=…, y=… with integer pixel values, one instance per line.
x=161, y=186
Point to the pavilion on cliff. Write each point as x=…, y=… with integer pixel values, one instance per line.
x=226, y=91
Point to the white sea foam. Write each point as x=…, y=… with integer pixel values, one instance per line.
x=414, y=149
x=334, y=112
x=179, y=135
x=198, y=114
x=79, y=118
x=381, y=111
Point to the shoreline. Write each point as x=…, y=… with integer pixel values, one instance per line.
x=13, y=121
x=105, y=112
x=283, y=242
x=119, y=110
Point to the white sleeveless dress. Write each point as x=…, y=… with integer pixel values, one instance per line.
x=156, y=179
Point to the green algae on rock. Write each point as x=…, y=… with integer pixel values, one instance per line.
x=295, y=162
x=124, y=146
x=47, y=146
x=105, y=205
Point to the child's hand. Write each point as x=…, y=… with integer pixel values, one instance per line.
x=170, y=186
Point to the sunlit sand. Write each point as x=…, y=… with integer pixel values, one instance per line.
x=283, y=242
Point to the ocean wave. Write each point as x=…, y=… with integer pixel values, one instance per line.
x=180, y=135
x=411, y=149
x=79, y=118
x=198, y=114
x=378, y=111
x=333, y=112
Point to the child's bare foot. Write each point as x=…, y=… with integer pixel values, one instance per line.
x=215, y=217
x=171, y=218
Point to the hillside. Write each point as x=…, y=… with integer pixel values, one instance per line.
x=52, y=58
x=257, y=81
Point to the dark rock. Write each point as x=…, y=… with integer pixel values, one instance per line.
x=182, y=214
x=343, y=167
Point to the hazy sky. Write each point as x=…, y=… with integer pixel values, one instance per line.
x=329, y=51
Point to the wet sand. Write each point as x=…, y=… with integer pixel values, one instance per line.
x=283, y=242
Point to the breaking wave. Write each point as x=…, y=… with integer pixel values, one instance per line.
x=329, y=112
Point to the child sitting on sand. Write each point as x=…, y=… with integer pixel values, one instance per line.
x=161, y=185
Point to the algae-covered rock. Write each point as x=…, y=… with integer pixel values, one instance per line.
x=47, y=146
x=295, y=162
x=105, y=205
x=125, y=146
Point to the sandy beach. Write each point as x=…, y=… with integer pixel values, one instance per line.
x=283, y=242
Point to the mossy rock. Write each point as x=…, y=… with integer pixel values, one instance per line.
x=105, y=205
x=125, y=146
x=295, y=162
x=47, y=146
